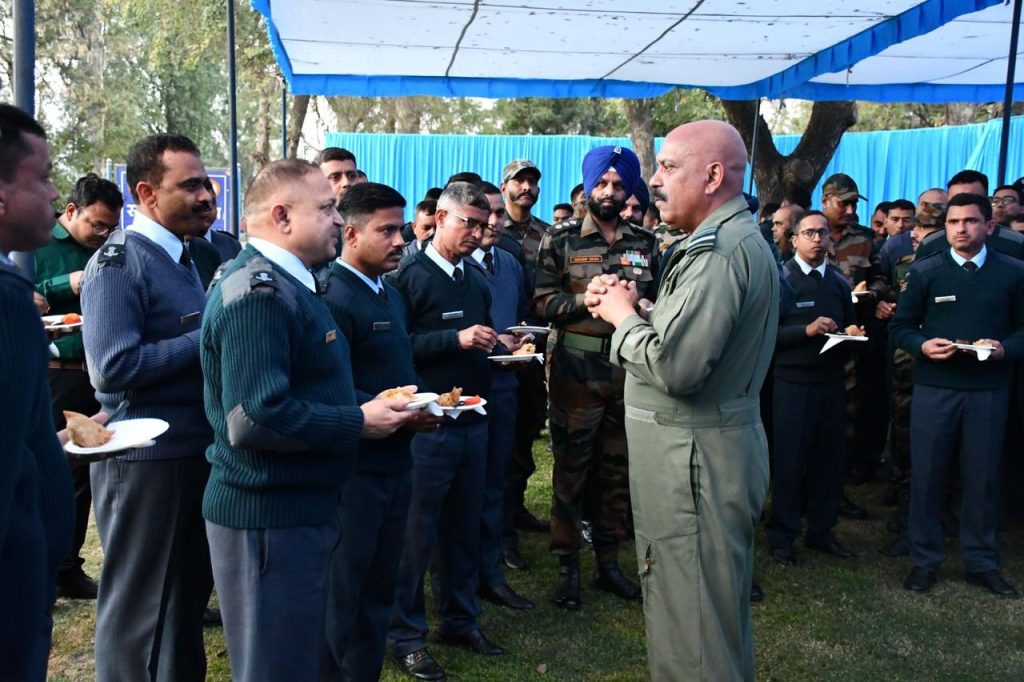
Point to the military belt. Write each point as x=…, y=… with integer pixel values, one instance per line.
x=68, y=364
x=589, y=344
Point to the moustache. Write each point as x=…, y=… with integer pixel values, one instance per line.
x=658, y=195
x=526, y=194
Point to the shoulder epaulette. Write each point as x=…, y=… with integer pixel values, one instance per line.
x=540, y=223
x=257, y=276
x=113, y=250
x=571, y=222
x=702, y=240
x=1008, y=259
x=929, y=262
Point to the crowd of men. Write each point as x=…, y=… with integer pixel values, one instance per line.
x=296, y=482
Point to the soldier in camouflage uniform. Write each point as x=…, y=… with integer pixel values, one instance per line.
x=586, y=413
x=522, y=237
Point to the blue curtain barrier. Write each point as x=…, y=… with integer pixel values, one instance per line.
x=887, y=165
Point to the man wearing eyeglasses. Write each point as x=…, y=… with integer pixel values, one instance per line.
x=1005, y=203
x=91, y=212
x=810, y=399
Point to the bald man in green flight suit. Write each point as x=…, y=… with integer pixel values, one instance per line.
x=695, y=364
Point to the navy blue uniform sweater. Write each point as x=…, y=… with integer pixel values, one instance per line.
x=36, y=511
x=381, y=358
x=798, y=357
x=280, y=398
x=438, y=308
x=941, y=299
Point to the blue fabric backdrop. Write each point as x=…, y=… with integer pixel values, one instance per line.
x=886, y=164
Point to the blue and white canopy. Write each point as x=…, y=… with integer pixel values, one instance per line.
x=738, y=49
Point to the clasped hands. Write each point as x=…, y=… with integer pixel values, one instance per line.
x=612, y=299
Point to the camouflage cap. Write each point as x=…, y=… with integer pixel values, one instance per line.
x=931, y=215
x=842, y=186
x=514, y=168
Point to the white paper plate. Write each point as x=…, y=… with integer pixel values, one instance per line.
x=464, y=408
x=836, y=339
x=127, y=434
x=528, y=329
x=982, y=351
x=52, y=323
x=504, y=359
x=421, y=400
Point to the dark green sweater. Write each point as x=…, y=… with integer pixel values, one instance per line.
x=942, y=300
x=381, y=358
x=280, y=398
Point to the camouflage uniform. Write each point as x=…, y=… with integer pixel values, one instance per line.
x=586, y=409
x=853, y=253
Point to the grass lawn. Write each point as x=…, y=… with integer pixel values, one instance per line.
x=824, y=619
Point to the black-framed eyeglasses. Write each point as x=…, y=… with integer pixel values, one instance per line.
x=1003, y=201
x=471, y=223
x=811, y=234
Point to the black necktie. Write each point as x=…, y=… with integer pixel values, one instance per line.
x=457, y=275
x=184, y=258
x=489, y=262
x=816, y=275
x=382, y=295
x=971, y=266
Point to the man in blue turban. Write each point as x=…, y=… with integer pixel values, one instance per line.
x=586, y=413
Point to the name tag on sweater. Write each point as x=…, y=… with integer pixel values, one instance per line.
x=381, y=326
x=190, y=318
x=576, y=260
x=805, y=304
x=330, y=337
x=453, y=315
x=945, y=299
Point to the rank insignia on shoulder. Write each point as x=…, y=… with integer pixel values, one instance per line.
x=702, y=240
x=111, y=254
x=262, y=278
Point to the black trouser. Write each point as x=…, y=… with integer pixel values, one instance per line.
x=70, y=390
x=871, y=415
x=531, y=413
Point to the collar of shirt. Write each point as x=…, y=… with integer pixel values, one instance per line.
x=157, y=234
x=478, y=255
x=4, y=260
x=286, y=260
x=61, y=232
x=590, y=227
x=979, y=258
x=435, y=255
x=806, y=268
x=374, y=286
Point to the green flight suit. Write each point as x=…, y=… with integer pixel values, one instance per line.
x=698, y=454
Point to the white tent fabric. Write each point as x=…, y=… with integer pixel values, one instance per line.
x=585, y=48
x=964, y=60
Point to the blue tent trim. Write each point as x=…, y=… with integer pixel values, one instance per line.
x=927, y=93
x=916, y=21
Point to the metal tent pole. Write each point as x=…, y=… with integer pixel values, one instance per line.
x=25, y=90
x=284, y=118
x=753, y=144
x=1011, y=66
x=233, y=119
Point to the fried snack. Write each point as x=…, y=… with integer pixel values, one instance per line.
x=398, y=392
x=861, y=286
x=983, y=343
x=84, y=432
x=451, y=398
x=71, y=318
x=526, y=349
x=854, y=330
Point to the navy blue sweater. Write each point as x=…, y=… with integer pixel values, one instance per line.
x=36, y=512
x=509, y=304
x=381, y=358
x=798, y=357
x=280, y=398
x=942, y=300
x=438, y=308
x=141, y=316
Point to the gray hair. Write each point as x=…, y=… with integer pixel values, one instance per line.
x=461, y=194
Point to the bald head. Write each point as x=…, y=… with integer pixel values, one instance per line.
x=700, y=167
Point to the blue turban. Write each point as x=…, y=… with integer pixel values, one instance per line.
x=599, y=160
x=643, y=195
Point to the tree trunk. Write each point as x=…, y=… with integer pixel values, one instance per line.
x=407, y=115
x=260, y=155
x=296, y=117
x=639, y=112
x=774, y=173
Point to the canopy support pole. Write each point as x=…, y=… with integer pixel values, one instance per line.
x=1011, y=66
x=753, y=144
x=233, y=120
x=25, y=90
x=284, y=119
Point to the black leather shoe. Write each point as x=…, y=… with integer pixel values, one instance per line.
x=609, y=578
x=899, y=546
x=514, y=560
x=919, y=580
x=421, y=665
x=784, y=555
x=504, y=595
x=212, y=619
x=994, y=582
x=756, y=593
x=527, y=522
x=75, y=584
x=831, y=546
x=567, y=589
x=474, y=641
x=849, y=510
